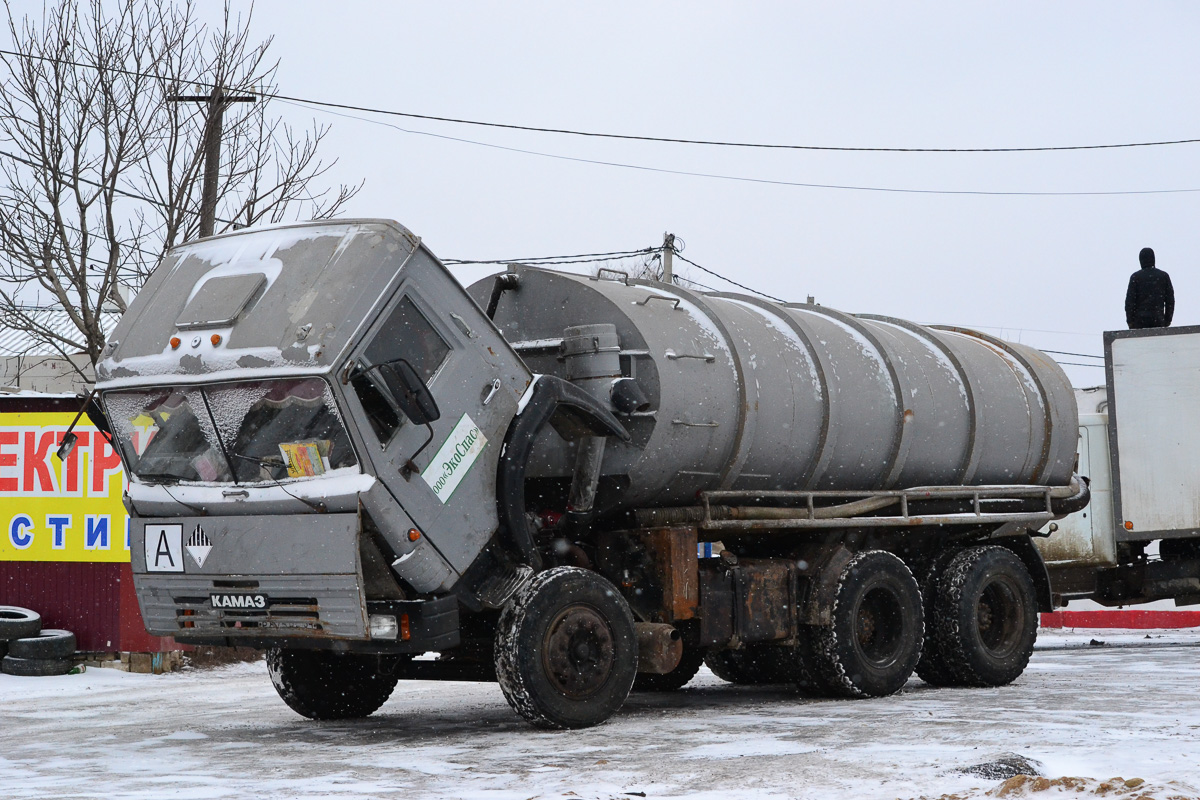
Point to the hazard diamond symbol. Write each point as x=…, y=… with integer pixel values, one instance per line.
x=198, y=546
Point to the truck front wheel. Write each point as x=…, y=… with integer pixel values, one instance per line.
x=986, y=616
x=321, y=684
x=874, y=641
x=566, y=649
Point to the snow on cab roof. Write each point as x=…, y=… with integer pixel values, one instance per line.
x=257, y=302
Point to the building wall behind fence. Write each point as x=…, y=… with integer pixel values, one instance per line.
x=64, y=546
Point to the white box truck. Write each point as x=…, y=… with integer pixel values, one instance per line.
x=1139, y=539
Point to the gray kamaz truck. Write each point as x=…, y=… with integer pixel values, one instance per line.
x=571, y=485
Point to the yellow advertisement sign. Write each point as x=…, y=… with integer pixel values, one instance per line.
x=53, y=510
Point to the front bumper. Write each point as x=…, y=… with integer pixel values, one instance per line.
x=300, y=575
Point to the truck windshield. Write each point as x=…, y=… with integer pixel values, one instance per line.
x=250, y=432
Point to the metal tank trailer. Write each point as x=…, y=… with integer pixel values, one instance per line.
x=571, y=485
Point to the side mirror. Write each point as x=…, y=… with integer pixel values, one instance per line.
x=67, y=445
x=91, y=408
x=410, y=392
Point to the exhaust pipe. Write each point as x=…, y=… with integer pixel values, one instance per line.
x=660, y=647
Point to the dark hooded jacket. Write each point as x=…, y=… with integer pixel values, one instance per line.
x=1150, y=299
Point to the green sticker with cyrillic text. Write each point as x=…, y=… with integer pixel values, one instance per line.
x=455, y=457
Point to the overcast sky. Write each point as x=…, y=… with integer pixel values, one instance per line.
x=849, y=74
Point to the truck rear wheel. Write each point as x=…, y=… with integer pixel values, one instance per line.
x=321, y=684
x=753, y=665
x=874, y=643
x=986, y=616
x=933, y=667
x=566, y=649
x=764, y=664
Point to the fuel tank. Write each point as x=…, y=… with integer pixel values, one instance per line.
x=742, y=393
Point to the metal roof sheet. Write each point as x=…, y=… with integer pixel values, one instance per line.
x=15, y=341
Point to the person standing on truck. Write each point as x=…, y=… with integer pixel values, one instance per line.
x=1150, y=299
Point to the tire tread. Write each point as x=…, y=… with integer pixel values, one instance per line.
x=308, y=681
x=18, y=623
x=519, y=617
x=49, y=643
x=968, y=666
x=827, y=656
x=36, y=667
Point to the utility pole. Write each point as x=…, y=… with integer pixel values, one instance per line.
x=668, y=254
x=213, y=124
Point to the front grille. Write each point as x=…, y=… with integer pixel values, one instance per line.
x=327, y=605
x=196, y=613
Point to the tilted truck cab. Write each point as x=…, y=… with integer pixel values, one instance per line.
x=338, y=454
x=247, y=389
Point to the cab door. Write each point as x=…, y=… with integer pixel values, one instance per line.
x=1086, y=537
x=477, y=381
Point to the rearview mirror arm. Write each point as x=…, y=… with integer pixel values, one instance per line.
x=69, y=438
x=410, y=466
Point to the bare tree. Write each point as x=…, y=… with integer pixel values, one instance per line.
x=100, y=172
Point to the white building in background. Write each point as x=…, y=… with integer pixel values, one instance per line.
x=27, y=365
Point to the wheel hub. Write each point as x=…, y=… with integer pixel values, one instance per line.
x=877, y=626
x=1000, y=618
x=866, y=626
x=985, y=616
x=578, y=651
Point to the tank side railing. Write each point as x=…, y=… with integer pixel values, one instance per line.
x=775, y=510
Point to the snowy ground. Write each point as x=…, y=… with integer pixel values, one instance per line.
x=1129, y=708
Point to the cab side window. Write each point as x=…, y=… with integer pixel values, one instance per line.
x=407, y=335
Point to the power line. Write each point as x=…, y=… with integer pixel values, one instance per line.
x=747, y=179
x=716, y=176
x=592, y=257
x=1064, y=353
x=635, y=137
x=628, y=137
x=542, y=263
x=717, y=143
x=1003, y=328
x=683, y=258
x=554, y=259
x=81, y=179
x=96, y=184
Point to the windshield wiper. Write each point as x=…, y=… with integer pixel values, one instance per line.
x=316, y=505
x=167, y=478
x=159, y=477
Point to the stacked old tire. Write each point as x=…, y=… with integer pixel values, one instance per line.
x=28, y=649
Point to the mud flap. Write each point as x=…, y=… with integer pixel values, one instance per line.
x=573, y=413
x=1025, y=550
x=818, y=609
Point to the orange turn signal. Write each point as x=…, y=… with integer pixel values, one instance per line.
x=175, y=342
x=215, y=339
x=1128, y=525
x=413, y=534
x=405, y=628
